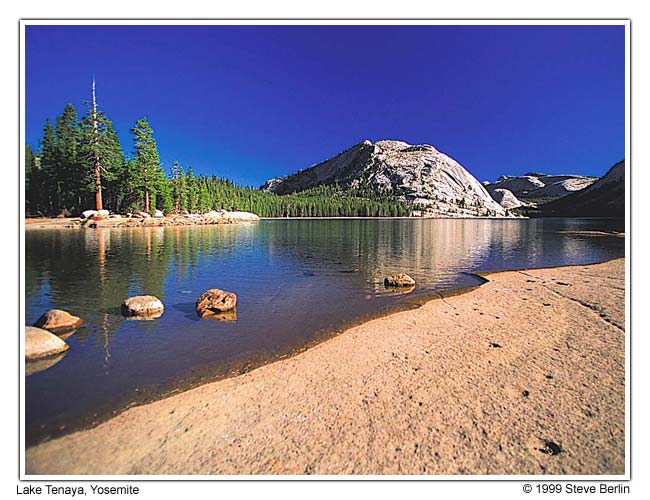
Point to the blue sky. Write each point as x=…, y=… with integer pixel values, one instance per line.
x=254, y=102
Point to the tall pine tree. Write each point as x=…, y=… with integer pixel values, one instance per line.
x=69, y=170
x=148, y=172
x=103, y=160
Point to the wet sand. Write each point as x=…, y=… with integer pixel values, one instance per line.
x=524, y=375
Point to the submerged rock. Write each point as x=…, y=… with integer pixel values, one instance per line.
x=40, y=343
x=142, y=305
x=58, y=321
x=401, y=279
x=215, y=301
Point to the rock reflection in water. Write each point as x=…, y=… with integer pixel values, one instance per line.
x=39, y=365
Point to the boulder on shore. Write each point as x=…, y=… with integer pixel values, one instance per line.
x=240, y=216
x=215, y=301
x=158, y=214
x=40, y=343
x=401, y=279
x=58, y=321
x=86, y=214
x=142, y=305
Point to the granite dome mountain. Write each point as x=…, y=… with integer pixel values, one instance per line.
x=420, y=174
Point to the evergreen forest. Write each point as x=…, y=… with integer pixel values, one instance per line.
x=80, y=164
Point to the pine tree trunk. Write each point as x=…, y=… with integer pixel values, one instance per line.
x=146, y=200
x=97, y=165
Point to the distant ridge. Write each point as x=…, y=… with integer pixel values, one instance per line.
x=536, y=188
x=603, y=198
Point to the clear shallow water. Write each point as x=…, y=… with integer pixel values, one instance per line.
x=296, y=281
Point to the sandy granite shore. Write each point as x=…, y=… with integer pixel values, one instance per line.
x=524, y=375
x=141, y=220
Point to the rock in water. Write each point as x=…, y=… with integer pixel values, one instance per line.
x=142, y=305
x=401, y=279
x=215, y=301
x=40, y=343
x=58, y=321
x=419, y=174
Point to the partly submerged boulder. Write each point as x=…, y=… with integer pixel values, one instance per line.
x=58, y=321
x=215, y=301
x=142, y=305
x=40, y=343
x=401, y=279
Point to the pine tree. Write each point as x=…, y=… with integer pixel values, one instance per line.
x=31, y=175
x=48, y=199
x=147, y=163
x=96, y=157
x=192, y=191
x=113, y=164
x=176, y=188
x=69, y=173
x=103, y=160
x=182, y=192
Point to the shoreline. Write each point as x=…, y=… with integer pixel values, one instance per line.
x=409, y=302
x=304, y=398
x=119, y=221
x=179, y=221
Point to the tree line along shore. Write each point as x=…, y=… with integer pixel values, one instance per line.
x=80, y=165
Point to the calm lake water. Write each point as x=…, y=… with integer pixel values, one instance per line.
x=296, y=281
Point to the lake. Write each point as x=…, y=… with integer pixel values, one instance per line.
x=297, y=282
